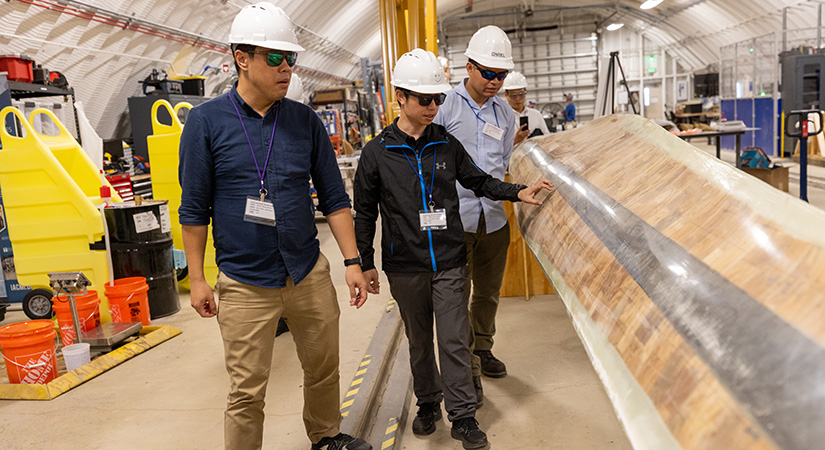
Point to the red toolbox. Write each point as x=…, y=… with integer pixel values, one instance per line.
x=19, y=67
x=123, y=185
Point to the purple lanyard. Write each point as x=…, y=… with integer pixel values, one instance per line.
x=263, y=191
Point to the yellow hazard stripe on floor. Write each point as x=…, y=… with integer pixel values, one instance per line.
x=391, y=304
x=389, y=435
x=359, y=378
x=150, y=337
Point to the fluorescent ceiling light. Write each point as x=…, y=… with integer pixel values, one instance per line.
x=614, y=26
x=650, y=4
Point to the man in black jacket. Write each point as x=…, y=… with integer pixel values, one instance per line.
x=408, y=173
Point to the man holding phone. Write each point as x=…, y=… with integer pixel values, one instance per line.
x=530, y=121
x=486, y=127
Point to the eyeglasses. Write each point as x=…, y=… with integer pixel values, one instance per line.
x=490, y=74
x=276, y=57
x=425, y=100
x=517, y=94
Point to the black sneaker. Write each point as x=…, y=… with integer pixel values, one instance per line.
x=479, y=391
x=282, y=327
x=466, y=430
x=490, y=365
x=341, y=442
x=424, y=422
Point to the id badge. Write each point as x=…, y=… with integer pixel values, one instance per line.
x=260, y=212
x=435, y=220
x=493, y=131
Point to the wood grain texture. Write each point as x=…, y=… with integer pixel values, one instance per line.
x=704, y=212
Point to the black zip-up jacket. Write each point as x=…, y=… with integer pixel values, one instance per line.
x=388, y=180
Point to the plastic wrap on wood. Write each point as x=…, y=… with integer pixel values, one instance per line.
x=697, y=289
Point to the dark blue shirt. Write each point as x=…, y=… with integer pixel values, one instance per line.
x=217, y=174
x=570, y=112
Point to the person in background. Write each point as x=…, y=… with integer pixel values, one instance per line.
x=569, y=112
x=529, y=121
x=246, y=161
x=296, y=89
x=408, y=174
x=486, y=127
x=445, y=64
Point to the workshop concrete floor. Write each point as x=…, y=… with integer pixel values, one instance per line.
x=173, y=396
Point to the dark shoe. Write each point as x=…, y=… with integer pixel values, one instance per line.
x=490, y=365
x=341, y=442
x=282, y=327
x=479, y=392
x=424, y=422
x=466, y=430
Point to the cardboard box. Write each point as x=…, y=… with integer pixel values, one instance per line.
x=776, y=177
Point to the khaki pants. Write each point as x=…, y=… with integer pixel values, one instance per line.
x=248, y=317
x=486, y=258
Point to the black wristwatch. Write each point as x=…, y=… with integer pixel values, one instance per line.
x=352, y=261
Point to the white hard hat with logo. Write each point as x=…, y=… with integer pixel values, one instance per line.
x=296, y=89
x=420, y=71
x=491, y=47
x=264, y=25
x=515, y=80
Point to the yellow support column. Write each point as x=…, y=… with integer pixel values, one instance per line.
x=405, y=25
x=430, y=27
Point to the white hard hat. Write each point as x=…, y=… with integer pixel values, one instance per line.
x=515, y=80
x=491, y=47
x=420, y=71
x=296, y=89
x=264, y=25
x=444, y=63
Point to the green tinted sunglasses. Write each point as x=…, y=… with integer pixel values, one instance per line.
x=276, y=57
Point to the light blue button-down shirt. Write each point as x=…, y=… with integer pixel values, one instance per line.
x=462, y=118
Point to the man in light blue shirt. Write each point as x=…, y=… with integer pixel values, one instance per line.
x=486, y=127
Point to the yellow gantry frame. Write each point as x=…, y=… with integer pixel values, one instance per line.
x=405, y=25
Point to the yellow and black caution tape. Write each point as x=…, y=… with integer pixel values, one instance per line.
x=349, y=399
x=389, y=435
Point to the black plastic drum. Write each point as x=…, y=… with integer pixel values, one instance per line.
x=141, y=244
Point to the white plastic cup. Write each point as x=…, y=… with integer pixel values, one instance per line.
x=76, y=355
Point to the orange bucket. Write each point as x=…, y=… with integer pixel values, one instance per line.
x=28, y=348
x=88, y=311
x=128, y=300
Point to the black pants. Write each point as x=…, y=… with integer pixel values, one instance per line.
x=443, y=295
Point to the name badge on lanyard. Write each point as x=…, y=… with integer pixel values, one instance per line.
x=493, y=131
x=435, y=220
x=259, y=211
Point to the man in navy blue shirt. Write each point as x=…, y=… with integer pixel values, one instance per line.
x=569, y=112
x=246, y=161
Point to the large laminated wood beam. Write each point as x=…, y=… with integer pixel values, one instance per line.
x=697, y=289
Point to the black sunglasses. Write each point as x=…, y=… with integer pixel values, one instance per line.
x=490, y=74
x=276, y=57
x=425, y=100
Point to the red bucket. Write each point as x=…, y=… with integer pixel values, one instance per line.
x=28, y=348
